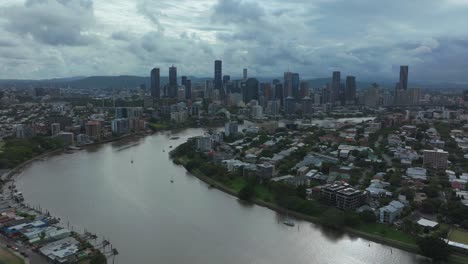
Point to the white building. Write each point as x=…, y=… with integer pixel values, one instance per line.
x=389, y=213
x=436, y=159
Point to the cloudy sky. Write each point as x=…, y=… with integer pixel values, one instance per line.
x=366, y=38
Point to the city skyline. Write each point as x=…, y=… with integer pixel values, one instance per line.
x=86, y=38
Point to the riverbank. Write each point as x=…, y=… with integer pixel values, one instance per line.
x=409, y=247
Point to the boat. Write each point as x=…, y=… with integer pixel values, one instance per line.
x=164, y=150
x=172, y=181
x=174, y=138
x=288, y=222
x=131, y=161
x=170, y=146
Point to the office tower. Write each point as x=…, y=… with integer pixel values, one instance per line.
x=350, y=90
x=273, y=107
x=249, y=90
x=287, y=84
x=209, y=89
x=226, y=78
x=304, y=89
x=172, y=88
x=155, y=83
x=290, y=106
x=372, y=96
x=266, y=91
x=307, y=106
x=335, y=87
x=295, y=85
x=188, y=89
x=183, y=80
x=218, y=81
x=403, y=77
x=244, y=74
x=279, y=93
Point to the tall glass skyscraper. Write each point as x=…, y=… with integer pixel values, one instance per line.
x=155, y=83
x=403, y=77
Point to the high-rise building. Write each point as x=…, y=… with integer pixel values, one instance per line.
x=93, y=130
x=226, y=79
x=304, y=89
x=172, y=87
x=209, y=89
x=295, y=85
x=350, y=90
x=335, y=87
x=273, y=107
x=307, y=106
x=436, y=159
x=188, y=89
x=250, y=90
x=290, y=105
x=218, y=73
x=155, y=83
x=244, y=74
x=372, y=96
x=403, y=77
x=183, y=80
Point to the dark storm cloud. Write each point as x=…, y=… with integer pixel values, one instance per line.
x=312, y=37
x=53, y=22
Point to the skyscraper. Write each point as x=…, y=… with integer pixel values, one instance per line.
x=244, y=74
x=172, y=89
x=183, y=80
x=155, y=83
x=226, y=78
x=350, y=92
x=188, y=89
x=287, y=85
x=335, y=87
x=295, y=85
x=403, y=77
x=250, y=90
x=218, y=73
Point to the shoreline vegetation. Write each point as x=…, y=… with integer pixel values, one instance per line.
x=262, y=194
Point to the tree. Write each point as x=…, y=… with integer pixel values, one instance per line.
x=368, y=216
x=351, y=219
x=333, y=218
x=434, y=247
x=247, y=193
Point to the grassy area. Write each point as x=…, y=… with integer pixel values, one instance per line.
x=6, y=257
x=237, y=184
x=2, y=144
x=459, y=236
x=386, y=232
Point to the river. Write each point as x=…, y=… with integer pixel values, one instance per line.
x=151, y=220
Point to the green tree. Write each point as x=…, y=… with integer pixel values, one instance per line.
x=434, y=247
x=368, y=216
x=247, y=193
x=333, y=218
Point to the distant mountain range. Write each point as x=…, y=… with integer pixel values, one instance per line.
x=122, y=81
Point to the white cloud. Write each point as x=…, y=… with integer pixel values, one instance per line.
x=56, y=38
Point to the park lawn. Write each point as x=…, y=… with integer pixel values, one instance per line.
x=386, y=232
x=6, y=257
x=460, y=236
